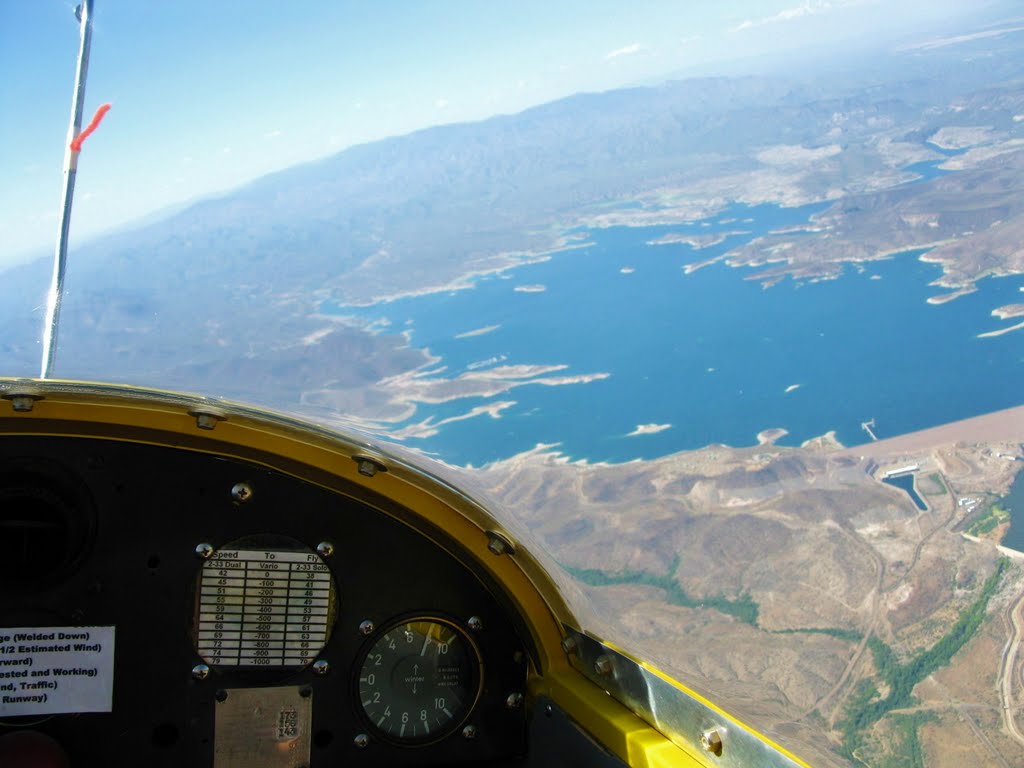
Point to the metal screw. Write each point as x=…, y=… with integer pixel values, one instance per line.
x=221, y=695
x=205, y=550
x=207, y=419
x=569, y=645
x=368, y=465
x=200, y=672
x=549, y=711
x=711, y=740
x=366, y=627
x=500, y=544
x=475, y=623
x=22, y=403
x=306, y=691
x=362, y=741
x=469, y=732
x=241, y=492
x=321, y=667
x=325, y=548
x=514, y=700
x=604, y=665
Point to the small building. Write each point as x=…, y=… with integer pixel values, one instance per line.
x=901, y=471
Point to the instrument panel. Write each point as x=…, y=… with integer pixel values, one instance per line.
x=190, y=582
x=224, y=599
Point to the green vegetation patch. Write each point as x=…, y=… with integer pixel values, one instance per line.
x=909, y=751
x=934, y=486
x=992, y=518
x=866, y=707
x=902, y=747
x=743, y=607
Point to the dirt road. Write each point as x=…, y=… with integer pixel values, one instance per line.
x=1007, y=667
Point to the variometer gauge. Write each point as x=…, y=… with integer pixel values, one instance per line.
x=419, y=680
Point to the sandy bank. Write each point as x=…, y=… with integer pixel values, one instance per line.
x=769, y=436
x=1001, y=331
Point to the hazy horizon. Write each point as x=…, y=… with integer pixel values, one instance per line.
x=298, y=106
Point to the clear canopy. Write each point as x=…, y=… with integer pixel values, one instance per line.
x=721, y=306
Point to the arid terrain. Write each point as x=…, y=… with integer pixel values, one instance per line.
x=845, y=628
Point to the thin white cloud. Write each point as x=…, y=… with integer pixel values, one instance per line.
x=43, y=218
x=941, y=42
x=628, y=50
x=806, y=8
x=441, y=103
x=272, y=134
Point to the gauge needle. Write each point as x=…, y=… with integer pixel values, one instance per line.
x=426, y=640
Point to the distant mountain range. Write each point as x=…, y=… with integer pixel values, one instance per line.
x=244, y=274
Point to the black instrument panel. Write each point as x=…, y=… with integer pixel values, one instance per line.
x=225, y=581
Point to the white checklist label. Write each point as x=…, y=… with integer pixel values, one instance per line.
x=56, y=670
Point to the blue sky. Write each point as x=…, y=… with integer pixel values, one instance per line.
x=208, y=94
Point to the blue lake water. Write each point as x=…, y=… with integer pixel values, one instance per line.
x=927, y=170
x=1014, y=503
x=710, y=353
x=906, y=483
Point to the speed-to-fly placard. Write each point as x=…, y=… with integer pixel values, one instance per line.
x=262, y=608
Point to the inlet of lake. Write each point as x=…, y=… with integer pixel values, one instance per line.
x=666, y=361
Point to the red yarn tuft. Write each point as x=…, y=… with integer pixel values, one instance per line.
x=76, y=143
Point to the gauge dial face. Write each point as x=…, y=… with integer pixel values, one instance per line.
x=419, y=680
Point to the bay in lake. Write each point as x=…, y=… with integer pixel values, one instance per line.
x=708, y=357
